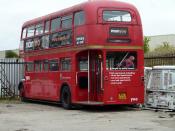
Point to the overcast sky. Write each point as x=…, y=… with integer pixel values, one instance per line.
x=158, y=16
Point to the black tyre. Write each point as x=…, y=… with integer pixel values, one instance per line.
x=21, y=92
x=66, y=98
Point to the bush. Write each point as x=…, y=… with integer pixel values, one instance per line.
x=146, y=44
x=164, y=50
x=11, y=54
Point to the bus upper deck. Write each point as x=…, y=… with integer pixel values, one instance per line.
x=92, y=24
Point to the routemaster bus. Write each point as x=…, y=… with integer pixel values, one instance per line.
x=88, y=54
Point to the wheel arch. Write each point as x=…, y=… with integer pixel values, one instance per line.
x=20, y=85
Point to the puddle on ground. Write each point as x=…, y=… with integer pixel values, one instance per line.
x=22, y=129
x=141, y=129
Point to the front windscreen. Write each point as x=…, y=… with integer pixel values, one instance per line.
x=116, y=16
x=118, y=60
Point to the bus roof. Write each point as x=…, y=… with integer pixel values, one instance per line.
x=95, y=4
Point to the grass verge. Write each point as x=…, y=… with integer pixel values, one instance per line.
x=15, y=100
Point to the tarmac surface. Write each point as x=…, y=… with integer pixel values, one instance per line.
x=32, y=116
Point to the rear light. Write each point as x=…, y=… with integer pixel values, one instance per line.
x=106, y=78
x=142, y=78
x=112, y=40
x=118, y=31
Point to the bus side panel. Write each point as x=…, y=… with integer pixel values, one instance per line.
x=125, y=86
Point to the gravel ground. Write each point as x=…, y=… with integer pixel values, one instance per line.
x=50, y=117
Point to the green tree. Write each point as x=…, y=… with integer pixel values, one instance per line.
x=11, y=54
x=165, y=47
x=146, y=44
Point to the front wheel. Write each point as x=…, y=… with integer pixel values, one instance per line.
x=66, y=98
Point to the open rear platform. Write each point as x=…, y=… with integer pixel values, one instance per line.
x=90, y=103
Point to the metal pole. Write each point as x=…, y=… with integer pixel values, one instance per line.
x=88, y=77
x=101, y=75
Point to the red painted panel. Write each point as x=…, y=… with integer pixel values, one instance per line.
x=47, y=85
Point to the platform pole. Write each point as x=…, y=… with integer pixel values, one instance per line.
x=88, y=76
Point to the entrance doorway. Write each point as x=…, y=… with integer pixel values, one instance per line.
x=89, y=75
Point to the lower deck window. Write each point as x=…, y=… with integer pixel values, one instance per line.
x=46, y=65
x=83, y=64
x=121, y=60
x=38, y=66
x=65, y=64
x=29, y=67
x=53, y=65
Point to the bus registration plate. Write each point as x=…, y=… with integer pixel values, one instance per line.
x=122, y=96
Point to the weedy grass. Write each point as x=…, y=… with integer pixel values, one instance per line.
x=15, y=100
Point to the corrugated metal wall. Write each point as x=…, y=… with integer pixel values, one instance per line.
x=11, y=72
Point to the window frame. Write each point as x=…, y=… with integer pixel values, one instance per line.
x=45, y=62
x=49, y=26
x=21, y=45
x=42, y=41
x=32, y=26
x=49, y=69
x=113, y=9
x=85, y=59
x=27, y=41
x=84, y=21
x=67, y=17
x=22, y=35
x=125, y=57
x=56, y=29
x=42, y=25
x=26, y=67
x=40, y=63
x=61, y=65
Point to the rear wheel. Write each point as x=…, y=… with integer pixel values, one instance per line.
x=66, y=98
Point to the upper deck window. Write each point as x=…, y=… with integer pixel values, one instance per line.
x=24, y=33
x=79, y=18
x=39, y=29
x=116, y=16
x=45, y=41
x=67, y=22
x=29, y=45
x=47, y=26
x=55, y=24
x=21, y=45
x=31, y=31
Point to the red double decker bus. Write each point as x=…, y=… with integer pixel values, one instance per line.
x=90, y=54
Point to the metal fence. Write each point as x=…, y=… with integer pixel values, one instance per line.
x=159, y=60
x=11, y=72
